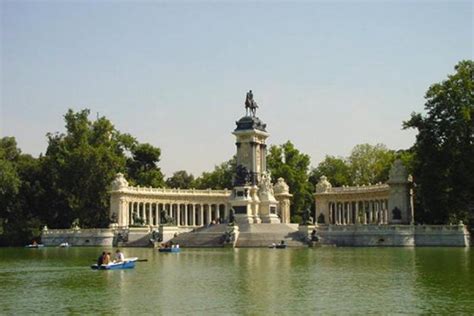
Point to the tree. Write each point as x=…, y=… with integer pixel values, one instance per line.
x=180, y=179
x=444, y=149
x=143, y=167
x=337, y=170
x=18, y=195
x=370, y=164
x=220, y=178
x=78, y=168
x=289, y=163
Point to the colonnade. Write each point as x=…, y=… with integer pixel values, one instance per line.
x=358, y=212
x=184, y=214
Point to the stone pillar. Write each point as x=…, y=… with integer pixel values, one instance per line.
x=201, y=215
x=211, y=213
x=357, y=217
x=186, y=206
x=178, y=220
x=283, y=196
x=143, y=212
x=339, y=214
x=329, y=219
x=365, y=212
x=226, y=212
x=350, y=214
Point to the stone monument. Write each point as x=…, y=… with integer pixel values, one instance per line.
x=400, y=208
x=252, y=197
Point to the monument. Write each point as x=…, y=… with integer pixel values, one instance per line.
x=252, y=197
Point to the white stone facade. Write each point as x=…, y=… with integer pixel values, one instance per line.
x=187, y=207
x=380, y=204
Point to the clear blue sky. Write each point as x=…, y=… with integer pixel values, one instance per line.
x=327, y=76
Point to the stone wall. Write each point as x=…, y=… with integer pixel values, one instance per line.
x=394, y=235
x=442, y=235
x=78, y=237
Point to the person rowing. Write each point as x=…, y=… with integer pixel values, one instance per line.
x=119, y=257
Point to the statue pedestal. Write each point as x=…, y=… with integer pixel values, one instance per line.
x=306, y=231
x=167, y=232
x=243, y=204
x=268, y=212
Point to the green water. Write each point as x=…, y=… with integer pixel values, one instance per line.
x=240, y=281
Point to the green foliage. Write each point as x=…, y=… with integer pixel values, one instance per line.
x=366, y=164
x=79, y=166
x=220, y=178
x=444, y=149
x=180, y=179
x=370, y=164
x=143, y=166
x=289, y=163
x=337, y=170
x=18, y=195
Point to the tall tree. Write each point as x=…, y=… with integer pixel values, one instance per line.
x=143, y=167
x=180, y=179
x=337, y=170
x=370, y=164
x=220, y=178
x=444, y=149
x=19, y=192
x=289, y=163
x=79, y=166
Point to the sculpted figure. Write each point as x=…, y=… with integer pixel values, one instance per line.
x=307, y=218
x=250, y=104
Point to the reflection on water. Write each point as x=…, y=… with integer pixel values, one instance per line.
x=240, y=281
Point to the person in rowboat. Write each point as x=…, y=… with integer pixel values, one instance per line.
x=100, y=260
x=119, y=257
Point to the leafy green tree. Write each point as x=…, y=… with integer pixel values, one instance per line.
x=19, y=192
x=143, y=167
x=220, y=178
x=289, y=163
x=444, y=149
x=370, y=164
x=180, y=179
x=336, y=169
x=78, y=168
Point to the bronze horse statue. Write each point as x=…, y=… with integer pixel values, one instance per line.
x=250, y=104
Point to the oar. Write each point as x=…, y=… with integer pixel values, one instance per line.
x=138, y=260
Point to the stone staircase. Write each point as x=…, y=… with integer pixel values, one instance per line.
x=263, y=235
x=250, y=235
x=211, y=236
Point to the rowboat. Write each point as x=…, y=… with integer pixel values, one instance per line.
x=64, y=245
x=277, y=246
x=128, y=263
x=34, y=246
x=173, y=250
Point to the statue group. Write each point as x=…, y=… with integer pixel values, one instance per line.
x=250, y=104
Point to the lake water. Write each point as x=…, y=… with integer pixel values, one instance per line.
x=240, y=281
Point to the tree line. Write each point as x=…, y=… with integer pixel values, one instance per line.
x=69, y=182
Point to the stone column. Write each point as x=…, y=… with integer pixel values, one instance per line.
x=350, y=214
x=357, y=217
x=370, y=213
x=226, y=212
x=365, y=212
x=209, y=213
x=346, y=213
x=186, y=214
x=178, y=214
x=201, y=217
x=339, y=214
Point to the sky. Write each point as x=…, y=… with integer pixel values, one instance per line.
x=326, y=75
